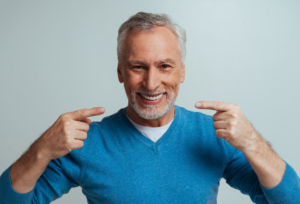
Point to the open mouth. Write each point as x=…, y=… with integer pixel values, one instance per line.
x=152, y=97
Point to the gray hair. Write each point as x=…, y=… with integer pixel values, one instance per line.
x=144, y=22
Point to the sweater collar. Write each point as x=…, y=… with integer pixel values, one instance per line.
x=129, y=127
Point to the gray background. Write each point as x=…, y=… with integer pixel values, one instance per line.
x=60, y=56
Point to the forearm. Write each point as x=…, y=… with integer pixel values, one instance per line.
x=27, y=169
x=268, y=166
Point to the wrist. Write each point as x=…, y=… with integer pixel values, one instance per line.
x=27, y=169
x=254, y=145
x=40, y=153
x=267, y=165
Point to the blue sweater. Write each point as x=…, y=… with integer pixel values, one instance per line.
x=120, y=165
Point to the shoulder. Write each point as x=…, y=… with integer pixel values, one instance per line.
x=95, y=137
x=186, y=112
x=107, y=124
x=202, y=124
x=194, y=116
x=197, y=123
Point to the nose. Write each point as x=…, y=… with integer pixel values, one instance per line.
x=152, y=79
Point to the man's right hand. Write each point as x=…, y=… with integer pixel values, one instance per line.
x=66, y=134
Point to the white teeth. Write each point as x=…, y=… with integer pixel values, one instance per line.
x=152, y=98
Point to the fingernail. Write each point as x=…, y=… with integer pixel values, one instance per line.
x=198, y=104
x=101, y=110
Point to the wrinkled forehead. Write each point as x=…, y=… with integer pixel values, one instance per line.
x=157, y=42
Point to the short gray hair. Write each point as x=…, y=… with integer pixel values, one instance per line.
x=145, y=21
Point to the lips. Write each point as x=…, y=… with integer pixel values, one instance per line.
x=151, y=99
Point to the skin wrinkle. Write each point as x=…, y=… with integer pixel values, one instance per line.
x=152, y=65
x=82, y=112
x=130, y=37
x=216, y=105
x=144, y=63
x=152, y=76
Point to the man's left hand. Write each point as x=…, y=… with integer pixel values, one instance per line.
x=231, y=124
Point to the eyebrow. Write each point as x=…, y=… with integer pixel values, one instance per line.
x=141, y=62
x=167, y=60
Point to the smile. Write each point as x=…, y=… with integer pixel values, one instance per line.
x=151, y=98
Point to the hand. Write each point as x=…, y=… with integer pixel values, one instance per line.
x=231, y=124
x=66, y=134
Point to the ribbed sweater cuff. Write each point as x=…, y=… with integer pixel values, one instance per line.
x=283, y=190
x=8, y=194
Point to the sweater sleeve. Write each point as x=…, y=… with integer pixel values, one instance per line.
x=60, y=176
x=240, y=175
x=52, y=184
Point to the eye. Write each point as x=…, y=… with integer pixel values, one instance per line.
x=165, y=66
x=137, y=67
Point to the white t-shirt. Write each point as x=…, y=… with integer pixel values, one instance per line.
x=153, y=133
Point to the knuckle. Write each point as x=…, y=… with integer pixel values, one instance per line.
x=233, y=115
x=66, y=131
x=84, y=135
x=215, y=116
x=64, y=116
x=216, y=105
x=67, y=123
x=219, y=133
x=68, y=142
x=226, y=138
x=225, y=134
x=82, y=112
x=236, y=107
x=230, y=133
x=232, y=124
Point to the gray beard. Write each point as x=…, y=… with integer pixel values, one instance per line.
x=148, y=111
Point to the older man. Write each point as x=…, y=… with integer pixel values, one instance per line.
x=151, y=151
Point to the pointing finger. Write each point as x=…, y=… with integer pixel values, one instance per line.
x=84, y=113
x=213, y=105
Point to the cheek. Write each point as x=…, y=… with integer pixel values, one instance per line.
x=131, y=82
x=172, y=81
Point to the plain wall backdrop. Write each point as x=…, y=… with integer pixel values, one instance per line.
x=60, y=56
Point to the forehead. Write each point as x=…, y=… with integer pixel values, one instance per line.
x=155, y=44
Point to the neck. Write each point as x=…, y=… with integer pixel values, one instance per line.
x=135, y=117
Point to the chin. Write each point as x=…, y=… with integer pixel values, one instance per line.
x=152, y=112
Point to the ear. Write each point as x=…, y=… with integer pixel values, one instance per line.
x=120, y=73
x=182, y=73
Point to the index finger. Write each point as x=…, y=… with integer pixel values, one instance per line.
x=84, y=113
x=213, y=105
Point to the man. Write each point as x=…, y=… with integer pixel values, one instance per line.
x=151, y=151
